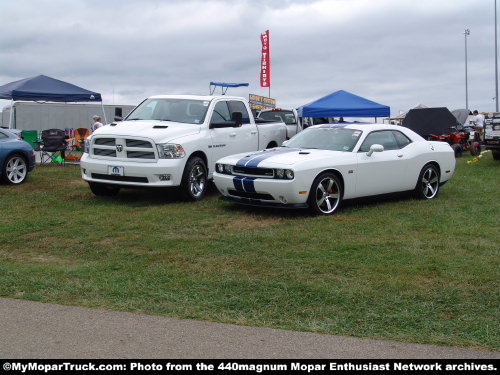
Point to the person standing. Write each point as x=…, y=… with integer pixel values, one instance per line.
x=97, y=123
x=479, y=123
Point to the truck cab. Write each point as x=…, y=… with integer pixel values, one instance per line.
x=173, y=140
x=288, y=116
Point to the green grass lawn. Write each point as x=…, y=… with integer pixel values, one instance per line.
x=397, y=268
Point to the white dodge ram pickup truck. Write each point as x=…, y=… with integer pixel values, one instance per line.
x=173, y=140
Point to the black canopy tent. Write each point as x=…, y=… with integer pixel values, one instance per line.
x=426, y=121
x=46, y=89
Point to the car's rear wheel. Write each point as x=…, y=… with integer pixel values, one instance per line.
x=15, y=170
x=325, y=196
x=194, y=180
x=104, y=190
x=428, y=182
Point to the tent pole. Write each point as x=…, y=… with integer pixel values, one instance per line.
x=11, y=114
x=104, y=113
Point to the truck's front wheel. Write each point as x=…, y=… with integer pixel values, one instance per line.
x=194, y=179
x=104, y=190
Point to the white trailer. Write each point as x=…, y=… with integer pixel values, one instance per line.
x=42, y=116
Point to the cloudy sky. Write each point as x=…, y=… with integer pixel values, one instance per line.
x=396, y=52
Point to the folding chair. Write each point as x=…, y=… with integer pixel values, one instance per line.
x=30, y=136
x=76, y=144
x=53, y=146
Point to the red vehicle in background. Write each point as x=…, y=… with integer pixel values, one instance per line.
x=461, y=138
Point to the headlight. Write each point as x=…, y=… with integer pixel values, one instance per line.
x=86, y=146
x=170, y=151
x=228, y=169
x=219, y=168
x=223, y=168
x=285, y=174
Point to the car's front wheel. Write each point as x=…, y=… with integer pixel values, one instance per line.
x=15, y=170
x=428, y=182
x=194, y=180
x=104, y=190
x=325, y=196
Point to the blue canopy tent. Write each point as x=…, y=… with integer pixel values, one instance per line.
x=224, y=85
x=43, y=88
x=343, y=104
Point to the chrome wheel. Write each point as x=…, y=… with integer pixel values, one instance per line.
x=197, y=181
x=327, y=195
x=430, y=183
x=16, y=170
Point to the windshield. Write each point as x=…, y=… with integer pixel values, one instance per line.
x=285, y=116
x=327, y=138
x=177, y=110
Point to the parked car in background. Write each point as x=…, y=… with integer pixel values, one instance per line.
x=288, y=116
x=325, y=164
x=17, y=158
x=174, y=140
x=492, y=134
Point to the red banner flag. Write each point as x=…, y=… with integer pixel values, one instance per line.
x=265, y=61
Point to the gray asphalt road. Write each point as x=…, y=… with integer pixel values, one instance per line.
x=40, y=330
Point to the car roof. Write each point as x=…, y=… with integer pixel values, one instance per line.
x=196, y=97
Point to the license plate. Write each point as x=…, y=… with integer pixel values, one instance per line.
x=115, y=171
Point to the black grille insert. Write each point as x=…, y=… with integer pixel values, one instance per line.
x=105, y=142
x=246, y=194
x=140, y=155
x=104, y=152
x=138, y=143
x=108, y=177
x=253, y=171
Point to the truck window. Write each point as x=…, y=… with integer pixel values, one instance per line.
x=285, y=116
x=221, y=113
x=237, y=106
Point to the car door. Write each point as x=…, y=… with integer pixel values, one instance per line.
x=223, y=140
x=247, y=135
x=381, y=172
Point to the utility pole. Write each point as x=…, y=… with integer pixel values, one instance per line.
x=466, y=34
x=496, y=61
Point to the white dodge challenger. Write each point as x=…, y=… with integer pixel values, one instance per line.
x=325, y=164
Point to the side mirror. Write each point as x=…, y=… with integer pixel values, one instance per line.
x=118, y=118
x=237, y=117
x=375, y=148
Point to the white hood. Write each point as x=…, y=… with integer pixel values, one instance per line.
x=283, y=156
x=158, y=131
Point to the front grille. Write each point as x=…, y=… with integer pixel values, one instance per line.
x=139, y=150
x=99, y=176
x=140, y=155
x=105, y=141
x=138, y=143
x=246, y=194
x=105, y=152
x=253, y=171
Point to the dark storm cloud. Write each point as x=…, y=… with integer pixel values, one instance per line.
x=396, y=52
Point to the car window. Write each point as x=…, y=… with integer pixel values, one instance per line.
x=237, y=106
x=221, y=113
x=3, y=135
x=384, y=138
x=402, y=139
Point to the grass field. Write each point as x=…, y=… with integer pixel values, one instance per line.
x=398, y=268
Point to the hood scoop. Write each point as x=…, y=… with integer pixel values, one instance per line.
x=160, y=126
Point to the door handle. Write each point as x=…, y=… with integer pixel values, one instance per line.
x=400, y=155
x=253, y=132
x=232, y=134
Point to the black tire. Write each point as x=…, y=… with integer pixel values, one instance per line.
x=457, y=149
x=15, y=170
x=272, y=145
x=325, y=201
x=496, y=154
x=429, y=175
x=194, y=184
x=104, y=190
x=475, y=148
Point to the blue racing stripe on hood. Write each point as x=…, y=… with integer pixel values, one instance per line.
x=255, y=161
